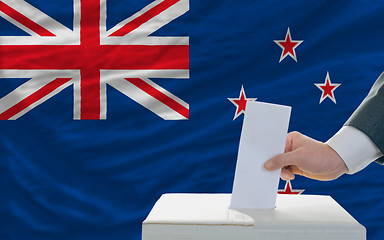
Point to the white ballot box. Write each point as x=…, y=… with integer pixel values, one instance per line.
x=208, y=217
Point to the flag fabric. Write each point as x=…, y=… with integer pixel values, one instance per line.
x=107, y=104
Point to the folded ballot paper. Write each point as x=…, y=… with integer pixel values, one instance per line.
x=263, y=136
x=253, y=210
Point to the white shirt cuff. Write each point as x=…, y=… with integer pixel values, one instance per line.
x=355, y=148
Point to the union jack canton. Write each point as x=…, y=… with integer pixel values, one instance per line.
x=89, y=57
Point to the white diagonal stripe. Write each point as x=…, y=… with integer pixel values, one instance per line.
x=141, y=34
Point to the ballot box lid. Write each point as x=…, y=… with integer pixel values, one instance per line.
x=291, y=212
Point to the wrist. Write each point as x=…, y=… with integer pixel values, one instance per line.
x=339, y=165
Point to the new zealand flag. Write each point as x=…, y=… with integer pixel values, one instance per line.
x=107, y=104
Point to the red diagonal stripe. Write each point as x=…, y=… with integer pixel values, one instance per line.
x=25, y=21
x=36, y=96
x=160, y=96
x=140, y=20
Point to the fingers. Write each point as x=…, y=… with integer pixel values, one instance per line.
x=291, y=155
x=292, y=138
x=287, y=174
x=296, y=170
x=282, y=160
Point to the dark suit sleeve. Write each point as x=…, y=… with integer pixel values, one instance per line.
x=369, y=116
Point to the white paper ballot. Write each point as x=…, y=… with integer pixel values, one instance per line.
x=263, y=136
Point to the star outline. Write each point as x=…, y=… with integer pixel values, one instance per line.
x=288, y=53
x=289, y=190
x=324, y=92
x=242, y=97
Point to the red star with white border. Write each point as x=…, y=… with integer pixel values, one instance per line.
x=288, y=45
x=327, y=88
x=288, y=189
x=240, y=102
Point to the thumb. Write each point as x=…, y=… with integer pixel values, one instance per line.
x=281, y=160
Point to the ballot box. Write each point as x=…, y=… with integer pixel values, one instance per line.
x=208, y=217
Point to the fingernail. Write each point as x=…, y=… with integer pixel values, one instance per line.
x=285, y=176
x=268, y=165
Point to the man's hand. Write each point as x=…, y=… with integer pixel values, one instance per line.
x=307, y=157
